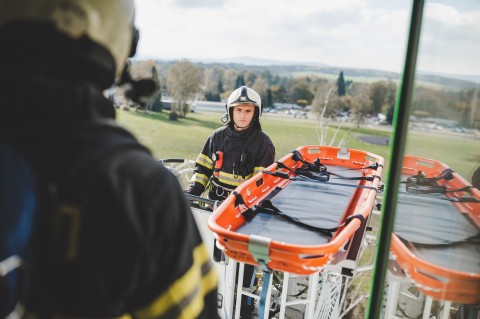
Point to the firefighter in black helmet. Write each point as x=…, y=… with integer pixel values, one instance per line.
x=114, y=236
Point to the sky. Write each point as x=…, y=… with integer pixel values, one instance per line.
x=368, y=34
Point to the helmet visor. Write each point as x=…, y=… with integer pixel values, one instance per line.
x=244, y=95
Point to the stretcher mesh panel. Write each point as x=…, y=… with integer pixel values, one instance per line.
x=314, y=203
x=429, y=219
x=435, y=231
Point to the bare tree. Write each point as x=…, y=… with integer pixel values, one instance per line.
x=319, y=107
x=261, y=86
x=320, y=101
x=361, y=106
x=211, y=77
x=379, y=93
x=229, y=80
x=183, y=81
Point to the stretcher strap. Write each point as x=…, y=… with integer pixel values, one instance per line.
x=276, y=174
x=472, y=240
x=319, y=179
x=414, y=186
x=319, y=172
x=266, y=206
x=259, y=247
x=240, y=203
x=369, y=178
x=305, y=179
x=373, y=166
x=251, y=288
x=263, y=297
x=419, y=184
x=317, y=166
x=463, y=199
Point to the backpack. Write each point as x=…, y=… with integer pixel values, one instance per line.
x=17, y=211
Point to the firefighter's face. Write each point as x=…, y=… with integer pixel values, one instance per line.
x=242, y=116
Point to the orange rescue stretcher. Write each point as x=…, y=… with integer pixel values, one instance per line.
x=300, y=211
x=436, y=238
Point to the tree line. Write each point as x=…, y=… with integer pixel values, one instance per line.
x=186, y=81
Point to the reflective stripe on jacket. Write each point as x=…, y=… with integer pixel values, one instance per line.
x=258, y=150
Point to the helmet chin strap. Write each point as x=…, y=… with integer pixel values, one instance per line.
x=243, y=127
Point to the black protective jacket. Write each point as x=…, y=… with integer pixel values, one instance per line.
x=114, y=234
x=243, y=154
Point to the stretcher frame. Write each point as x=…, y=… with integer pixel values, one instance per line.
x=433, y=280
x=297, y=259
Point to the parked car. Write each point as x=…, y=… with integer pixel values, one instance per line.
x=270, y=110
x=300, y=114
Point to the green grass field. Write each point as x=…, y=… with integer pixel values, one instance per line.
x=185, y=138
x=460, y=153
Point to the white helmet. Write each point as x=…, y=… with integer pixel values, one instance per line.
x=108, y=23
x=245, y=95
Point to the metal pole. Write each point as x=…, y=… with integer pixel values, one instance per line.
x=400, y=127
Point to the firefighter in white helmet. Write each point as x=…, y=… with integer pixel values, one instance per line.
x=113, y=235
x=233, y=154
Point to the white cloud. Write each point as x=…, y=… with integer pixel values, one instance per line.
x=450, y=40
x=443, y=13
x=356, y=33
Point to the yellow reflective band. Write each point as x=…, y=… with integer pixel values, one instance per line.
x=184, y=293
x=258, y=169
x=209, y=282
x=200, y=178
x=230, y=179
x=205, y=161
